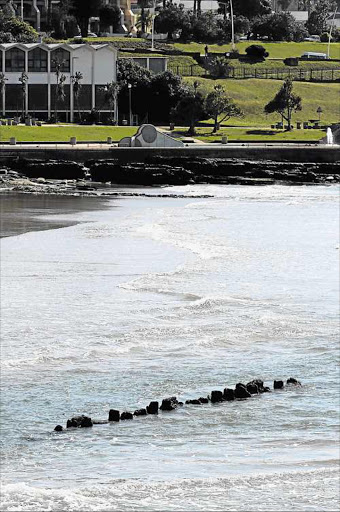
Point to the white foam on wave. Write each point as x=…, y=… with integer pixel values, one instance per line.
x=311, y=490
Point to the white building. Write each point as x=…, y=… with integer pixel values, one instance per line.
x=97, y=64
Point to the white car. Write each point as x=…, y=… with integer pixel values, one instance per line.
x=315, y=39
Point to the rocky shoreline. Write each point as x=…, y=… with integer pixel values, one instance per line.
x=22, y=175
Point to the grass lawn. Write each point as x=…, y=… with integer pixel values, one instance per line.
x=279, y=50
x=253, y=94
x=63, y=133
x=256, y=133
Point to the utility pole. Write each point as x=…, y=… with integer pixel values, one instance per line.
x=232, y=25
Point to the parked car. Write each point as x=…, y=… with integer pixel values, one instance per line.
x=314, y=56
x=313, y=38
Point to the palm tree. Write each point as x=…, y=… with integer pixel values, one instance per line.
x=111, y=91
x=76, y=78
x=60, y=90
x=23, y=79
x=3, y=81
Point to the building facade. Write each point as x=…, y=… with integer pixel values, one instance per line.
x=96, y=63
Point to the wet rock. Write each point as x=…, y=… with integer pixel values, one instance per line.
x=169, y=404
x=114, y=415
x=180, y=404
x=152, y=408
x=278, y=384
x=216, y=396
x=140, y=412
x=293, y=381
x=241, y=391
x=79, y=421
x=193, y=402
x=204, y=400
x=252, y=389
x=266, y=389
x=228, y=394
x=126, y=416
x=58, y=428
x=99, y=422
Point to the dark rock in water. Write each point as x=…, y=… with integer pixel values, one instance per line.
x=114, y=415
x=228, y=394
x=86, y=422
x=140, y=412
x=126, y=416
x=293, y=381
x=180, y=404
x=258, y=383
x=58, y=428
x=216, y=396
x=241, y=391
x=169, y=404
x=79, y=421
x=278, y=384
x=152, y=408
x=266, y=389
x=252, y=389
x=193, y=402
x=99, y=422
x=203, y=400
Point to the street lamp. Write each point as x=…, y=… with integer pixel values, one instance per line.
x=130, y=105
x=319, y=111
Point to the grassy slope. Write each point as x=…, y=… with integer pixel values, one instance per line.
x=258, y=134
x=279, y=50
x=63, y=133
x=252, y=95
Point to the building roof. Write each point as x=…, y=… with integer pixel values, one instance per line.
x=54, y=46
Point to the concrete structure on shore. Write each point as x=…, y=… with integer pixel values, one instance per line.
x=97, y=64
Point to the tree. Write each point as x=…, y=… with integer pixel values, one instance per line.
x=285, y=102
x=111, y=91
x=131, y=73
x=3, y=81
x=317, y=21
x=218, y=104
x=143, y=4
x=190, y=108
x=218, y=67
x=83, y=11
x=166, y=90
x=23, y=79
x=172, y=19
x=279, y=26
x=109, y=16
x=76, y=81
x=17, y=30
x=251, y=8
x=60, y=87
x=256, y=51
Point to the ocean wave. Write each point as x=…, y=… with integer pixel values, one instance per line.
x=312, y=490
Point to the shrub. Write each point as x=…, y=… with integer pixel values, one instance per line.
x=324, y=37
x=256, y=51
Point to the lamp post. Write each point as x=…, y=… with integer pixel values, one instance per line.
x=319, y=111
x=130, y=105
x=232, y=25
x=22, y=10
x=153, y=26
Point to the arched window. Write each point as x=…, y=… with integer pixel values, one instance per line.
x=62, y=57
x=15, y=60
x=37, y=60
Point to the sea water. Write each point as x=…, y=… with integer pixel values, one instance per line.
x=149, y=297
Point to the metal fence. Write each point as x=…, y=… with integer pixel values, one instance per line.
x=331, y=74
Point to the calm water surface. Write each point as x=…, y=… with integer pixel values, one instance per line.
x=141, y=298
